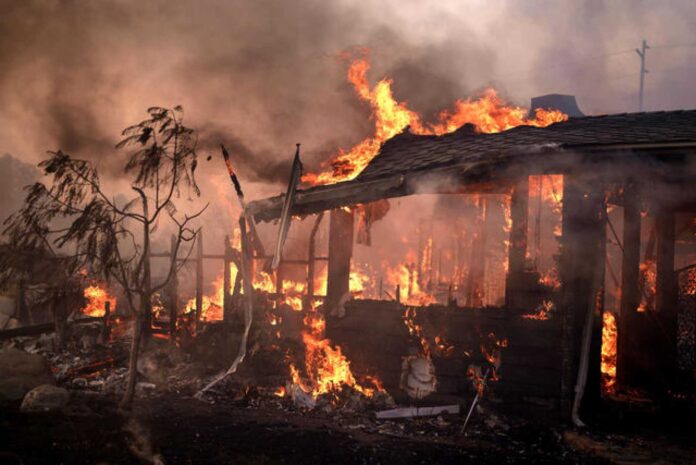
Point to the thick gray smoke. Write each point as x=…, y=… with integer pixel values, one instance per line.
x=263, y=75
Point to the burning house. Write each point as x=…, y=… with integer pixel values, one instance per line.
x=544, y=243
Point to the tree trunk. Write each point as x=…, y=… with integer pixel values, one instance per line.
x=127, y=399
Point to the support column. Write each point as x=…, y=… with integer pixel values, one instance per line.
x=581, y=266
x=517, y=253
x=226, y=282
x=311, y=262
x=627, y=337
x=340, y=254
x=666, y=294
x=477, y=266
x=173, y=293
x=199, y=279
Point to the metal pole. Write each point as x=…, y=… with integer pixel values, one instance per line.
x=643, y=72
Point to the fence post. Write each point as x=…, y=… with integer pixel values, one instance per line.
x=199, y=279
x=173, y=294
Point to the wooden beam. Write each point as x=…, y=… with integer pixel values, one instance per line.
x=199, y=279
x=581, y=249
x=519, y=215
x=627, y=330
x=340, y=254
x=226, y=281
x=173, y=294
x=311, y=260
x=666, y=293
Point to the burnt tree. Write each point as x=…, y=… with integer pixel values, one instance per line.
x=73, y=217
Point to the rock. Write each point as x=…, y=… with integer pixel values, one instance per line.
x=20, y=372
x=45, y=398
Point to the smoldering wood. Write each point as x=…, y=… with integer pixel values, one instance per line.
x=627, y=348
x=477, y=265
x=311, y=259
x=581, y=247
x=519, y=211
x=199, y=279
x=666, y=292
x=44, y=328
x=340, y=255
x=247, y=281
x=374, y=338
x=227, y=282
x=286, y=212
x=173, y=294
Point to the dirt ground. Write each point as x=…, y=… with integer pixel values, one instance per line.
x=174, y=430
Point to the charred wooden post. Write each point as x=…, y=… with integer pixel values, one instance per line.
x=173, y=293
x=22, y=310
x=581, y=249
x=477, y=267
x=199, y=279
x=340, y=254
x=311, y=261
x=106, y=323
x=666, y=293
x=227, y=281
x=626, y=342
x=279, y=282
x=519, y=215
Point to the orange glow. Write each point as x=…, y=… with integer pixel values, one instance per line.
x=97, y=297
x=326, y=366
x=648, y=273
x=406, y=278
x=543, y=312
x=609, y=333
x=489, y=113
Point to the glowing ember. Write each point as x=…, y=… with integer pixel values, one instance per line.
x=609, y=352
x=96, y=301
x=543, y=312
x=416, y=330
x=648, y=273
x=489, y=113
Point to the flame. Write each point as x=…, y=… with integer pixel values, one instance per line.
x=326, y=366
x=97, y=296
x=489, y=113
x=648, y=273
x=416, y=330
x=405, y=276
x=609, y=333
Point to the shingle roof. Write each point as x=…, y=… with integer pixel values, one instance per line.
x=481, y=158
x=406, y=152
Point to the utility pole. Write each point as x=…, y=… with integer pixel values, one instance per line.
x=643, y=72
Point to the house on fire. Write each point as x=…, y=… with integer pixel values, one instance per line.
x=641, y=165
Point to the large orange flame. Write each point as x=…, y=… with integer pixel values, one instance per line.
x=326, y=366
x=489, y=113
x=609, y=333
x=97, y=296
